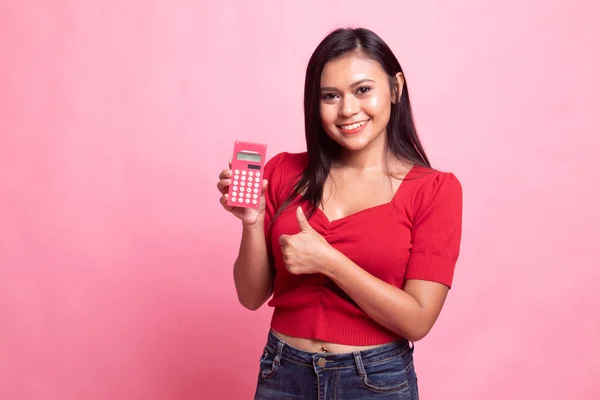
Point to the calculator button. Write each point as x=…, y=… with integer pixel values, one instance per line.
x=255, y=185
x=243, y=178
x=243, y=172
x=248, y=195
x=242, y=189
x=248, y=201
x=257, y=180
x=235, y=188
x=233, y=199
x=254, y=201
x=233, y=194
x=235, y=182
x=258, y=174
x=255, y=196
x=237, y=171
x=243, y=183
x=255, y=190
x=251, y=173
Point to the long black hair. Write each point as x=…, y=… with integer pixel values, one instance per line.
x=402, y=139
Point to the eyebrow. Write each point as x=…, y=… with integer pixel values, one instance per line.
x=332, y=89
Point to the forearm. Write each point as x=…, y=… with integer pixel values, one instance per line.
x=386, y=304
x=252, y=273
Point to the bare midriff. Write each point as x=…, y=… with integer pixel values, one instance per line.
x=318, y=346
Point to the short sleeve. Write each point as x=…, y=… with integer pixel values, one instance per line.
x=436, y=231
x=273, y=175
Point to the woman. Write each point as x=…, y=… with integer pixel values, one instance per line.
x=356, y=239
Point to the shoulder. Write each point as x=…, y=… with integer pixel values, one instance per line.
x=287, y=163
x=429, y=186
x=432, y=180
x=291, y=159
x=285, y=167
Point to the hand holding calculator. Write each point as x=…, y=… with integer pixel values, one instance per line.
x=247, y=169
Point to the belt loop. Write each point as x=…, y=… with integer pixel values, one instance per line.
x=411, y=346
x=359, y=365
x=280, y=345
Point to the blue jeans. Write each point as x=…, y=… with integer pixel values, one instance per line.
x=385, y=372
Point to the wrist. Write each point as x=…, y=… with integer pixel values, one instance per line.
x=332, y=261
x=257, y=225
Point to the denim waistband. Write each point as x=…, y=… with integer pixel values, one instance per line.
x=337, y=360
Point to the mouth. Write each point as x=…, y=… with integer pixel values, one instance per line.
x=353, y=128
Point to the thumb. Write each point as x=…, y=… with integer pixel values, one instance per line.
x=283, y=239
x=302, y=221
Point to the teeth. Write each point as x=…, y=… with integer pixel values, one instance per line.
x=353, y=126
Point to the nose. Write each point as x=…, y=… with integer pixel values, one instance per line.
x=349, y=106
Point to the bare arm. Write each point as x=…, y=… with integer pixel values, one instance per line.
x=251, y=271
x=410, y=313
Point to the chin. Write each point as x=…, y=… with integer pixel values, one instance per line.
x=354, y=144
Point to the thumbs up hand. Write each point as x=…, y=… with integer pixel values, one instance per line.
x=305, y=252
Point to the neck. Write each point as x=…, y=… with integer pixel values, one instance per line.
x=372, y=156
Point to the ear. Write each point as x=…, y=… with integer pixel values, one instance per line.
x=397, y=87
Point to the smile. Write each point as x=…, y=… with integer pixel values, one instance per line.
x=353, y=126
x=352, y=129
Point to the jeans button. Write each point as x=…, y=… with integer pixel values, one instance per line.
x=321, y=362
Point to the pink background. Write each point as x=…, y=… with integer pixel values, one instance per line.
x=117, y=116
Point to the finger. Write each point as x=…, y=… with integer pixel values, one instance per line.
x=265, y=184
x=302, y=221
x=226, y=173
x=223, y=201
x=284, y=239
x=223, y=185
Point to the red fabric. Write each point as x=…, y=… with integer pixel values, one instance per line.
x=414, y=236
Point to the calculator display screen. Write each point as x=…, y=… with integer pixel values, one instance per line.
x=248, y=156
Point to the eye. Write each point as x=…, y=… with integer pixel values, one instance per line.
x=328, y=96
x=363, y=89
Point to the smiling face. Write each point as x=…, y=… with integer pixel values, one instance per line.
x=355, y=102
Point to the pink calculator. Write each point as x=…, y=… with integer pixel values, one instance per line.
x=247, y=166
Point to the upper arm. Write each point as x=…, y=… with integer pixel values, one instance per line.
x=431, y=297
x=435, y=236
x=436, y=231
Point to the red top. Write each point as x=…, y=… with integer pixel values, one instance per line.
x=414, y=236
